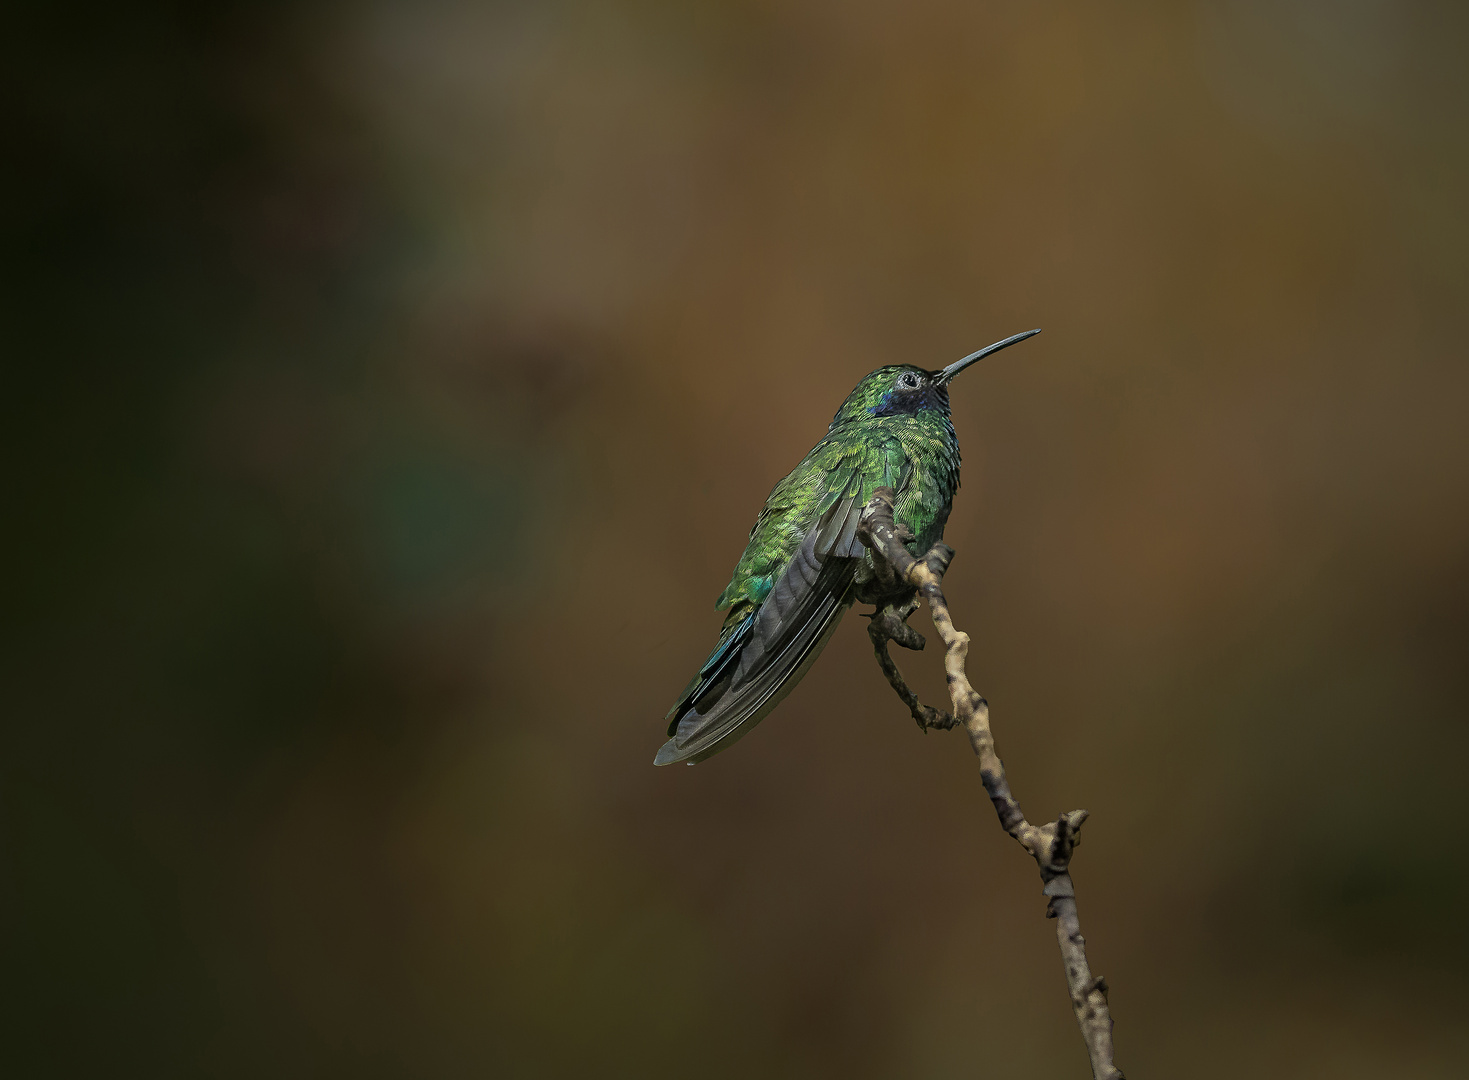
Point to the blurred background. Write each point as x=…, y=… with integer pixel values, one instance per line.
x=391, y=389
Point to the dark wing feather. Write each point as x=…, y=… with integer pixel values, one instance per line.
x=779, y=642
x=721, y=663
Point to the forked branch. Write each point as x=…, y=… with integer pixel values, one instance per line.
x=1051, y=844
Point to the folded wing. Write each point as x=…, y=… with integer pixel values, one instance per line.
x=761, y=661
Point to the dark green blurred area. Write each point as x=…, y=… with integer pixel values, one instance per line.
x=391, y=388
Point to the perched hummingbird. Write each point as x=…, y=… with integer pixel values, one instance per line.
x=804, y=566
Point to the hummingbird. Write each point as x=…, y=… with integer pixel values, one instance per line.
x=804, y=565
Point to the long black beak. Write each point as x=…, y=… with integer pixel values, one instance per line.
x=959, y=365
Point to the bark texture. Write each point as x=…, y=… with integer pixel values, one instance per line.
x=1052, y=844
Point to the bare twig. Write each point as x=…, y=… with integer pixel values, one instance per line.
x=890, y=623
x=1050, y=845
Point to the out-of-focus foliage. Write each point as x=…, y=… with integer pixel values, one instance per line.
x=390, y=388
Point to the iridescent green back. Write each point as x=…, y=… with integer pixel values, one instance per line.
x=916, y=454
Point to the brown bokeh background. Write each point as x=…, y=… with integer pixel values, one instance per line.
x=391, y=389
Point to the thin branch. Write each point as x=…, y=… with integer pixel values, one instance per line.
x=890, y=623
x=1050, y=845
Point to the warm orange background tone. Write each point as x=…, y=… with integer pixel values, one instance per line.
x=392, y=388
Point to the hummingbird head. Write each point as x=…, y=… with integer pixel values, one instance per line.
x=895, y=390
x=905, y=390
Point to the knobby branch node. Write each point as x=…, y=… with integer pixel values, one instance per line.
x=1051, y=844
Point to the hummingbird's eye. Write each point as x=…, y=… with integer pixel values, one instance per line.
x=908, y=380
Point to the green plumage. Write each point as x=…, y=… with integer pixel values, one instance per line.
x=803, y=566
